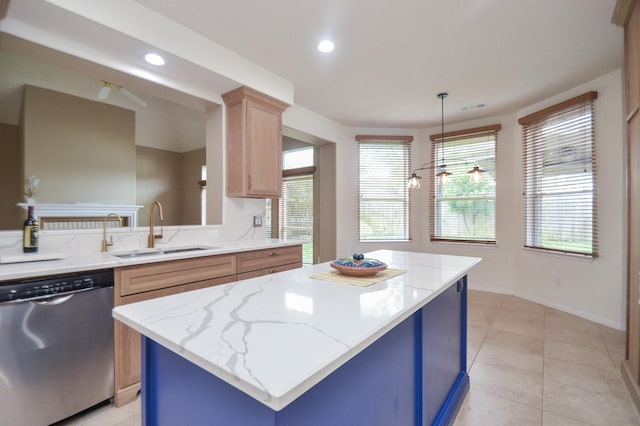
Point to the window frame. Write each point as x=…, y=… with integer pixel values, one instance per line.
x=435, y=227
x=402, y=143
x=534, y=161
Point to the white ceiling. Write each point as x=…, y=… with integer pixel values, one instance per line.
x=391, y=57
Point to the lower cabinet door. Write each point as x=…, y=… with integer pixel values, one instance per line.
x=127, y=341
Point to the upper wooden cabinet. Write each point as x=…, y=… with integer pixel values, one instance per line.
x=254, y=144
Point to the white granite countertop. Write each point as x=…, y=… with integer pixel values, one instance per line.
x=69, y=263
x=274, y=337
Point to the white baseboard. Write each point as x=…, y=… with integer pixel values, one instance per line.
x=586, y=315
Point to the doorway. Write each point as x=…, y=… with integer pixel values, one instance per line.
x=292, y=215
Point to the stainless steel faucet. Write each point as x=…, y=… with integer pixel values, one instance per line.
x=106, y=243
x=152, y=237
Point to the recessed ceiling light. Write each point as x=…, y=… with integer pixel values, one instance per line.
x=325, y=46
x=154, y=59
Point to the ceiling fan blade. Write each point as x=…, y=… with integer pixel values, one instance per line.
x=133, y=97
x=104, y=92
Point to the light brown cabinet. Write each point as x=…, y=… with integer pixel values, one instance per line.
x=262, y=262
x=254, y=144
x=142, y=282
x=148, y=281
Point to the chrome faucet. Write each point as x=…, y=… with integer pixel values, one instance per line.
x=152, y=237
x=106, y=243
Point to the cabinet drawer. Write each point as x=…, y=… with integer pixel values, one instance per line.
x=143, y=278
x=269, y=258
x=267, y=271
x=173, y=290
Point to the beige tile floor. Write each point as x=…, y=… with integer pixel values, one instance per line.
x=529, y=365
x=533, y=365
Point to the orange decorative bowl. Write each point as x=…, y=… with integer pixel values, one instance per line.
x=358, y=268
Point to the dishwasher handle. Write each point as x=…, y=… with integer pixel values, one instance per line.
x=54, y=300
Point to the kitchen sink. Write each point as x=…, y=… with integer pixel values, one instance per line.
x=183, y=249
x=156, y=252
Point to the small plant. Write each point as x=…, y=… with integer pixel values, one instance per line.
x=31, y=186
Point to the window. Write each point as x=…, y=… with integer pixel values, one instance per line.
x=560, y=177
x=464, y=209
x=383, y=197
x=291, y=216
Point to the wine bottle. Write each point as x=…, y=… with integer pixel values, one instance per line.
x=31, y=231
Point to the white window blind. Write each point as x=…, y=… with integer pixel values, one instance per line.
x=464, y=210
x=560, y=177
x=270, y=231
x=384, y=207
x=296, y=212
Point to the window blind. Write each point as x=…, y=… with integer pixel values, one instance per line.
x=296, y=212
x=384, y=210
x=559, y=166
x=463, y=210
x=270, y=230
x=291, y=215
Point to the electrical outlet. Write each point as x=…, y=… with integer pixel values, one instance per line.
x=257, y=221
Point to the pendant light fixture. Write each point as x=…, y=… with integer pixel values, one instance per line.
x=443, y=175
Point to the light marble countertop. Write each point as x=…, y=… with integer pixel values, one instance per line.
x=274, y=337
x=77, y=262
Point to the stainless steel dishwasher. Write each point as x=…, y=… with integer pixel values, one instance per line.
x=56, y=346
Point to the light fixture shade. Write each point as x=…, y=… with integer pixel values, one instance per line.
x=414, y=181
x=475, y=174
x=443, y=176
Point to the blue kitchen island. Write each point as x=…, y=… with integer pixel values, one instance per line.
x=289, y=349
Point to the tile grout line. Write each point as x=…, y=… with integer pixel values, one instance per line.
x=500, y=308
